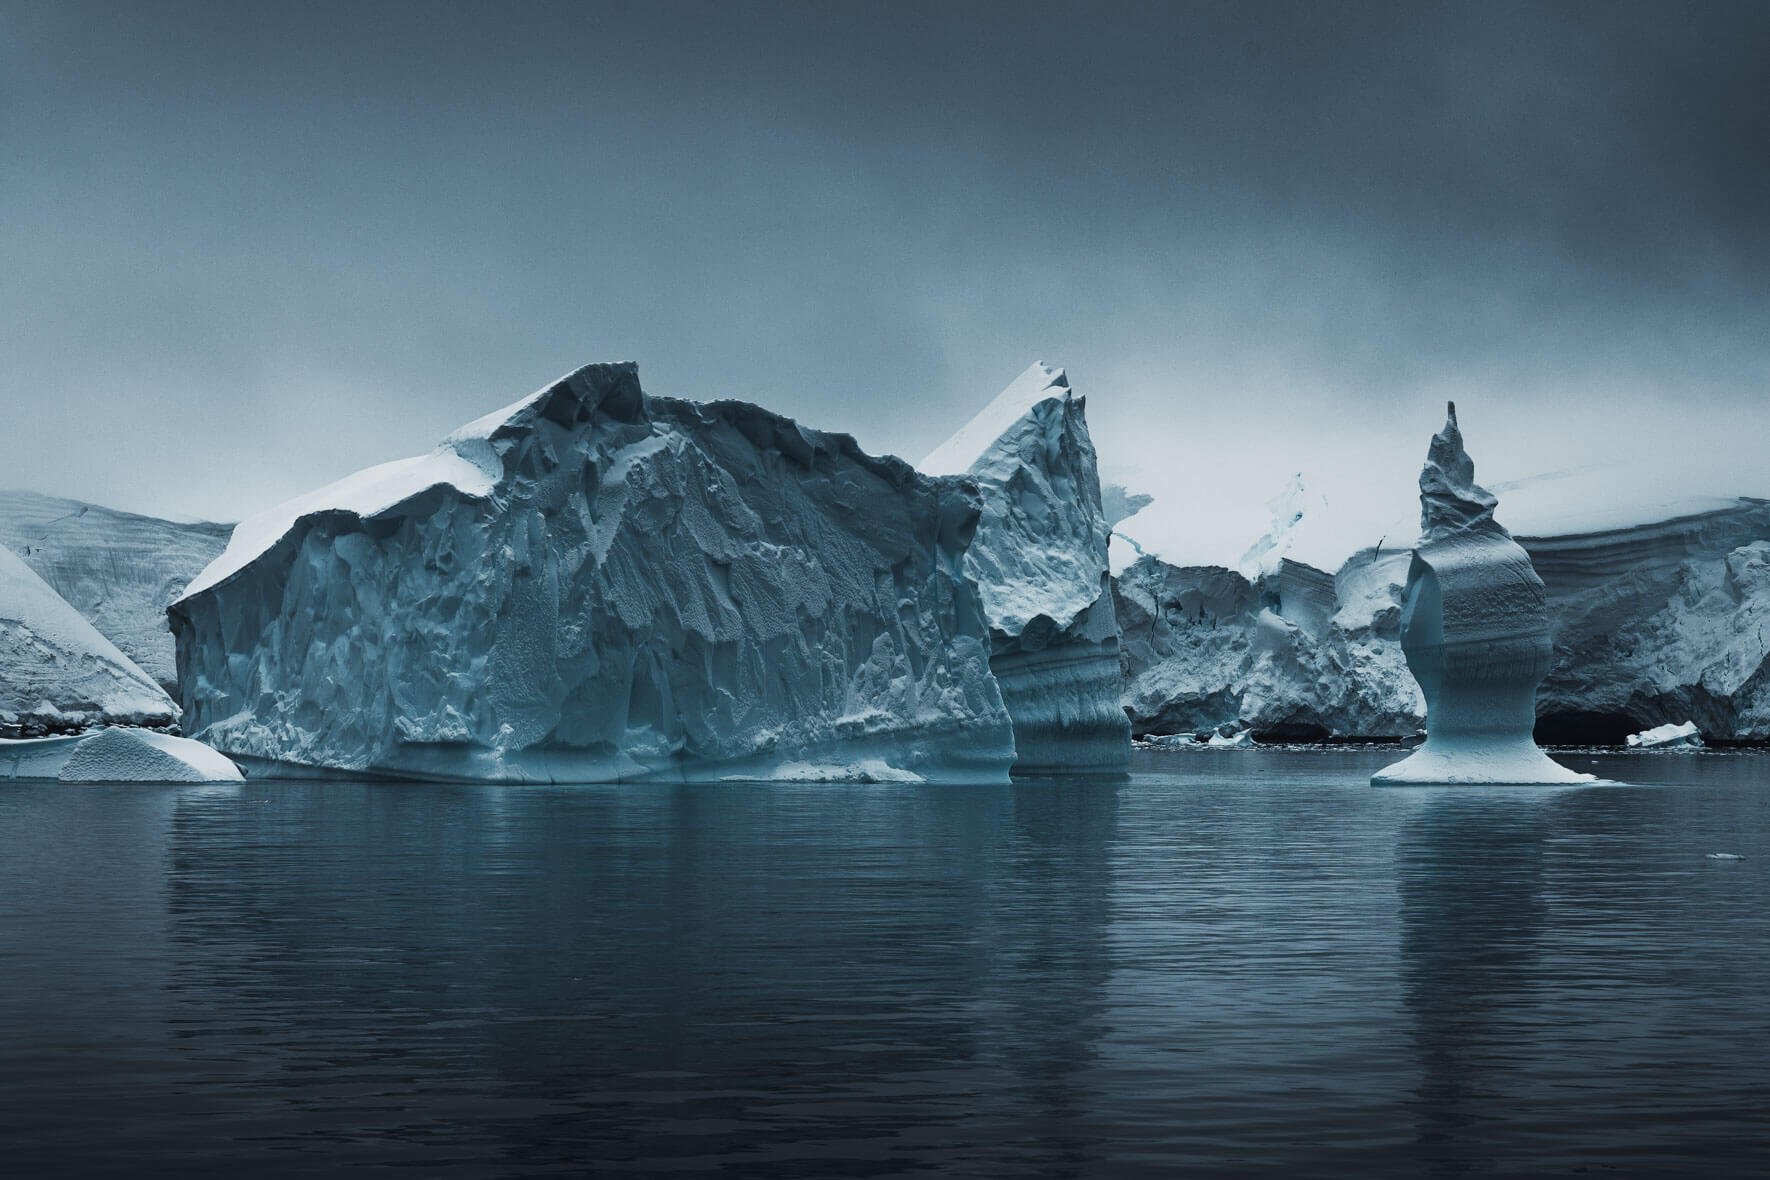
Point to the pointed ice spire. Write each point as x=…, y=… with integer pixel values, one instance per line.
x=1450, y=499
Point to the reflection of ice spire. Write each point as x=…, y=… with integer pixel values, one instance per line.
x=1450, y=499
x=1289, y=509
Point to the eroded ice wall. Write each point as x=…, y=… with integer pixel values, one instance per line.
x=1039, y=560
x=598, y=585
x=1204, y=647
x=1474, y=629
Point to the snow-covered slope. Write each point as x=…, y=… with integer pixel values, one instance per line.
x=117, y=569
x=1475, y=631
x=594, y=584
x=1039, y=562
x=57, y=673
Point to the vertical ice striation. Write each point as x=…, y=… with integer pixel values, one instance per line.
x=1039, y=561
x=1474, y=629
x=597, y=585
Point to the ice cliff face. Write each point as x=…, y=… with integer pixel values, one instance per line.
x=598, y=585
x=117, y=569
x=57, y=673
x=1475, y=631
x=1039, y=561
x=1296, y=656
x=1657, y=624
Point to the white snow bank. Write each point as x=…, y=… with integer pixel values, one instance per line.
x=116, y=755
x=57, y=668
x=118, y=569
x=956, y=455
x=1664, y=736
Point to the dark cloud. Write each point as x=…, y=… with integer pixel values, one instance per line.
x=334, y=231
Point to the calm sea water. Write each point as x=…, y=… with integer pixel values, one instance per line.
x=1236, y=963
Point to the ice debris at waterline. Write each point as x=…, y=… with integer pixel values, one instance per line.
x=57, y=673
x=1039, y=561
x=598, y=585
x=1667, y=737
x=116, y=755
x=1474, y=629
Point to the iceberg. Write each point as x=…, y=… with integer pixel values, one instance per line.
x=1475, y=631
x=57, y=673
x=1298, y=655
x=118, y=569
x=597, y=585
x=1039, y=561
x=1665, y=737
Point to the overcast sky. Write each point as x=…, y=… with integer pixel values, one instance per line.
x=246, y=249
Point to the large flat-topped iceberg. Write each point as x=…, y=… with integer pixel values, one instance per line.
x=1039, y=560
x=57, y=673
x=599, y=585
x=1474, y=629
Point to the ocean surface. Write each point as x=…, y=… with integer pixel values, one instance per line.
x=1236, y=963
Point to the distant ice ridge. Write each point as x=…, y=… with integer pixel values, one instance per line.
x=1039, y=560
x=1658, y=608
x=57, y=673
x=597, y=585
x=1475, y=631
x=118, y=569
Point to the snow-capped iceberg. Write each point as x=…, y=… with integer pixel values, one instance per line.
x=1039, y=560
x=1475, y=631
x=118, y=569
x=596, y=585
x=57, y=673
x=116, y=755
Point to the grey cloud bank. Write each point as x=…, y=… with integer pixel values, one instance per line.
x=251, y=248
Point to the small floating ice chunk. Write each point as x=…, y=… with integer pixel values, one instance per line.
x=1662, y=737
x=1725, y=856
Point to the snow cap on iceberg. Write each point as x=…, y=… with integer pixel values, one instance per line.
x=955, y=456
